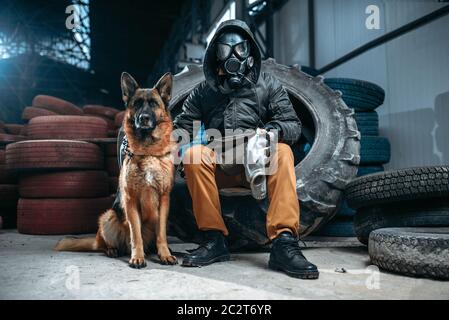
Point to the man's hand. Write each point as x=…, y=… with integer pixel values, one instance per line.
x=270, y=127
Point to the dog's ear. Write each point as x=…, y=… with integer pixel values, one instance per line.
x=129, y=86
x=164, y=86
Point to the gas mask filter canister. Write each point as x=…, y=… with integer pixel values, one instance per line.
x=233, y=54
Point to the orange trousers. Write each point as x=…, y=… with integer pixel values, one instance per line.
x=204, y=178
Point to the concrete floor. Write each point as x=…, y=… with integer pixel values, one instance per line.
x=30, y=269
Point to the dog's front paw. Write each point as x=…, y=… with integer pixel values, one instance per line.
x=168, y=259
x=112, y=252
x=137, y=262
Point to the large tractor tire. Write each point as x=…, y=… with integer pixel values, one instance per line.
x=322, y=174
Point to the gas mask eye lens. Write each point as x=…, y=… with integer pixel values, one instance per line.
x=223, y=51
x=242, y=50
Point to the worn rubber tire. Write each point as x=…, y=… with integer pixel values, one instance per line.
x=367, y=123
x=337, y=227
x=360, y=86
x=8, y=196
x=67, y=127
x=4, y=137
x=359, y=104
x=71, y=184
x=53, y=154
x=335, y=149
x=417, y=213
x=366, y=170
x=13, y=128
x=98, y=110
x=24, y=131
x=34, y=112
x=7, y=176
x=110, y=123
x=367, y=117
x=374, y=150
x=398, y=185
x=345, y=210
x=358, y=94
x=112, y=133
x=57, y=105
x=9, y=217
x=417, y=252
x=112, y=166
x=110, y=150
x=60, y=216
x=113, y=185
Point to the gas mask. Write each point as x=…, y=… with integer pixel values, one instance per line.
x=233, y=56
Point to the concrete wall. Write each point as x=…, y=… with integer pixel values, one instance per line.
x=291, y=33
x=413, y=69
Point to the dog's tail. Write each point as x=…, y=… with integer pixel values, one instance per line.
x=79, y=244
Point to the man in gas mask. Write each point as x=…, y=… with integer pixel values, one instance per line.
x=236, y=95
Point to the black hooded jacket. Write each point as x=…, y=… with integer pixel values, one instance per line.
x=261, y=102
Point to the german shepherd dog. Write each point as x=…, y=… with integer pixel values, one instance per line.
x=146, y=179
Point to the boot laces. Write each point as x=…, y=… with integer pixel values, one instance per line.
x=293, y=248
x=203, y=245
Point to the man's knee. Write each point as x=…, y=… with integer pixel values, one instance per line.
x=192, y=153
x=285, y=155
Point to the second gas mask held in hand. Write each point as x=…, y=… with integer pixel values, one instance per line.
x=233, y=56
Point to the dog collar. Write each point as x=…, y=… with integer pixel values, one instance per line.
x=125, y=148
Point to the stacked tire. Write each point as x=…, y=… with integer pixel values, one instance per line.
x=44, y=105
x=403, y=216
x=115, y=120
x=364, y=98
x=112, y=166
x=67, y=127
x=417, y=252
x=63, y=186
x=10, y=132
x=8, y=194
x=108, y=114
x=118, y=120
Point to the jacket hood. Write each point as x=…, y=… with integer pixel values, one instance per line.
x=210, y=61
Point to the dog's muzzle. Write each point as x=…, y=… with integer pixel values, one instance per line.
x=145, y=121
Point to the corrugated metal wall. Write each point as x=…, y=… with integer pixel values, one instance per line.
x=413, y=69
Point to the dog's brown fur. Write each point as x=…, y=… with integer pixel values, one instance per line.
x=145, y=182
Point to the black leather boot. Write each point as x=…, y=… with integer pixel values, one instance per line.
x=212, y=249
x=286, y=256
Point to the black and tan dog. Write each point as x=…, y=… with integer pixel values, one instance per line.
x=146, y=179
